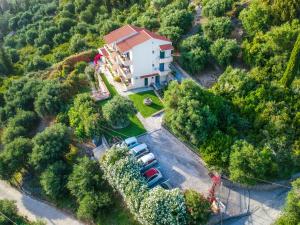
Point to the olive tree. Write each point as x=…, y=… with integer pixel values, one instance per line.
x=117, y=111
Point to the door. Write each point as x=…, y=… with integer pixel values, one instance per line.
x=157, y=79
x=162, y=55
x=146, y=81
x=161, y=67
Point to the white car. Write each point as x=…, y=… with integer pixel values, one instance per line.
x=139, y=150
x=147, y=161
x=130, y=142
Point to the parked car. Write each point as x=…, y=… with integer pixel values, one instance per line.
x=147, y=161
x=153, y=176
x=166, y=185
x=130, y=142
x=139, y=150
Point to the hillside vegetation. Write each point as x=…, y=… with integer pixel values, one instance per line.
x=247, y=124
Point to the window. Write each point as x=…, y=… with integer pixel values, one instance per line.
x=161, y=67
x=162, y=55
x=153, y=52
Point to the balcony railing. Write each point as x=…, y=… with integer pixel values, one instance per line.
x=124, y=60
x=166, y=60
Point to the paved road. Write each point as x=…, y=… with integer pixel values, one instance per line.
x=34, y=209
x=185, y=170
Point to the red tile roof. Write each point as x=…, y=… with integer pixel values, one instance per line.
x=166, y=47
x=115, y=35
x=132, y=36
x=129, y=43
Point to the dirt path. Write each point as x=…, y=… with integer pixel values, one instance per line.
x=34, y=209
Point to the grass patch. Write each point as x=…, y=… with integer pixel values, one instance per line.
x=135, y=127
x=145, y=110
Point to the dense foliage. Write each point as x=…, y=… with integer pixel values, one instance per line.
x=39, y=33
x=291, y=211
x=150, y=207
x=85, y=117
x=9, y=213
x=118, y=110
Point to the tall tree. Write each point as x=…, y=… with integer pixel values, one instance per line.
x=293, y=66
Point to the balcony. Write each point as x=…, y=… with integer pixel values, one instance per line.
x=124, y=60
x=166, y=60
x=125, y=72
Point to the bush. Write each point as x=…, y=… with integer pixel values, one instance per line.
x=224, y=51
x=50, y=146
x=219, y=27
x=117, y=111
x=198, y=207
x=53, y=180
x=217, y=8
x=85, y=117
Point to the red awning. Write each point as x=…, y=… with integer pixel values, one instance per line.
x=166, y=47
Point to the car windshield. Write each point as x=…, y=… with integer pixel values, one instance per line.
x=151, y=178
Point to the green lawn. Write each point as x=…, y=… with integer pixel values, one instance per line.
x=135, y=127
x=146, y=111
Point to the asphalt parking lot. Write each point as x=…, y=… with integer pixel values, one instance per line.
x=176, y=162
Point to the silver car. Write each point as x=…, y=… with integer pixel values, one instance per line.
x=147, y=161
x=139, y=150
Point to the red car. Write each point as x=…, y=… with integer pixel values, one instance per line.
x=153, y=176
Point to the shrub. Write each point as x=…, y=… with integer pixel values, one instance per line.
x=117, y=111
x=213, y=8
x=198, y=207
x=224, y=51
x=219, y=27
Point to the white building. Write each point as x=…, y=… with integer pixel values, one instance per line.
x=141, y=58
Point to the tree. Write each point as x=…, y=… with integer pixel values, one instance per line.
x=14, y=157
x=117, y=111
x=9, y=213
x=198, y=207
x=286, y=10
x=194, y=53
x=216, y=8
x=247, y=163
x=21, y=93
x=6, y=66
x=77, y=44
x=256, y=9
x=49, y=146
x=86, y=183
x=224, y=51
x=85, y=117
x=49, y=100
x=178, y=18
x=193, y=113
x=195, y=60
x=90, y=205
x=19, y=126
x=293, y=66
x=164, y=207
x=172, y=32
x=291, y=211
x=65, y=24
x=218, y=27
x=54, y=178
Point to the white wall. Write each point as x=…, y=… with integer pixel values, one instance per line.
x=145, y=60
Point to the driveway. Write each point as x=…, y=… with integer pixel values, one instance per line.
x=185, y=170
x=177, y=162
x=34, y=209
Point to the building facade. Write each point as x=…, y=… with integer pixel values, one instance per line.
x=139, y=57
